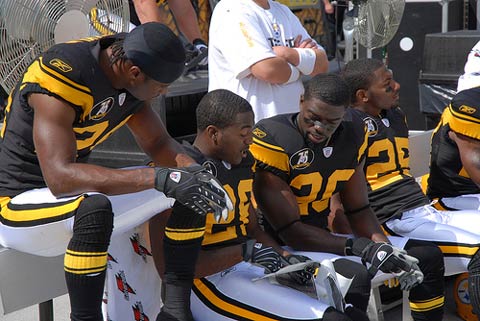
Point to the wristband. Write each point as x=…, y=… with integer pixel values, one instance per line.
x=348, y=247
x=247, y=249
x=306, y=60
x=294, y=75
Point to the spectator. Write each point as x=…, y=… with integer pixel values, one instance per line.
x=259, y=50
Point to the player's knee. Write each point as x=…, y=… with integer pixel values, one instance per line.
x=429, y=255
x=94, y=220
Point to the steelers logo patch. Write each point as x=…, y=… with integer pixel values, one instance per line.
x=210, y=167
x=302, y=159
x=372, y=127
x=101, y=109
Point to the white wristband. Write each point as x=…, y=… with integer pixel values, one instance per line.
x=294, y=74
x=306, y=60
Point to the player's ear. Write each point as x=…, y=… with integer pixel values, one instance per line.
x=361, y=96
x=212, y=133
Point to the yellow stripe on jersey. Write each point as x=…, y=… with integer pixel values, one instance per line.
x=26, y=212
x=427, y=305
x=270, y=154
x=184, y=234
x=96, y=130
x=363, y=147
x=58, y=84
x=226, y=304
x=461, y=123
x=456, y=250
x=85, y=262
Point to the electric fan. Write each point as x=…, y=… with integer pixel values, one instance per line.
x=377, y=21
x=28, y=27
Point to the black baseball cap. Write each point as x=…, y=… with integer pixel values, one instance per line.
x=154, y=48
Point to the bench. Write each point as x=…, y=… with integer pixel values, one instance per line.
x=26, y=280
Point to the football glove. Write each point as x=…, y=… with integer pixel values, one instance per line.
x=264, y=256
x=195, y=188
x=381, y=256
x=409, y=280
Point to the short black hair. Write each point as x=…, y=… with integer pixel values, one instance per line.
x=359, y=74
x=329, y=88
x=219, y=108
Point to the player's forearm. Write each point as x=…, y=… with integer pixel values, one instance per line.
x=147, y=11
x=366, y=224
x=216, y=260
x=304, y=237
x=273, y=70
x=186, y=19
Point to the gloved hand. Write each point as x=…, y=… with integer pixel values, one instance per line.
x=265, y=256
x=409, y=280
x=304, y=276
x=202, y=49
x=195, y=188
x=381, y=256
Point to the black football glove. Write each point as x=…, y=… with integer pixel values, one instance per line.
x=265, y=256
x=381, y=256
x=304, y=276
x=195, y=188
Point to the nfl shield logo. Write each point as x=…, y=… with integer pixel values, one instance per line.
x=175, y=176
x=121, y=98
x=327, y=151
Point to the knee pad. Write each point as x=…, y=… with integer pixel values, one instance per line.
x=430, y=257
x=93, y=223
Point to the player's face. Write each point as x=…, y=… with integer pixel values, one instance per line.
x=384, y=90
x=147, y=88
x=235, y=140
x=318, y=120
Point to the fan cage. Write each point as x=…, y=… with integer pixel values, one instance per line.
x=377, y=22
x=27, y=28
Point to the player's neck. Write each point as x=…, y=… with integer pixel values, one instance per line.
x=202, y=143
x=262, y=3
x=374, y=112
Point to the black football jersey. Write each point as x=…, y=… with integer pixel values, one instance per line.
x=448, y=177
x=237, y=181
x=391, y=188
x=313, y=172
x=70, y=72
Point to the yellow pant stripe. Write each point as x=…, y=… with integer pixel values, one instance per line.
x=228, y=306
x=427, y=305
x=17, y=213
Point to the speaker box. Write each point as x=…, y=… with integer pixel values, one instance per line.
x=405, y=50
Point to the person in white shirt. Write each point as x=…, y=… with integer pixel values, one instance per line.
x=259, y=50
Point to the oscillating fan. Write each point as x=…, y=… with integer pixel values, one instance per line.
x=28, y=27
x=377, y=21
